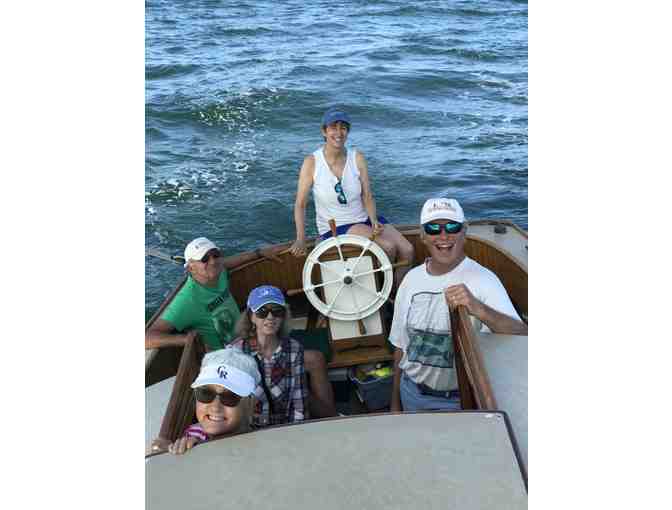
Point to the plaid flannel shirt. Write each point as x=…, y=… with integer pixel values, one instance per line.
x=285, y=378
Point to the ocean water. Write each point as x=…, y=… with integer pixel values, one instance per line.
x=235, y=90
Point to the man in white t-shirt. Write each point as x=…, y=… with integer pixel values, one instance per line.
x=424, y=364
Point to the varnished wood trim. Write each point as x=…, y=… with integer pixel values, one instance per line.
x=181, y=406
x=360, y=356
x=467, y=400
x=163, y=363
x=465, y=343
x=502, y=251
x=415, y=229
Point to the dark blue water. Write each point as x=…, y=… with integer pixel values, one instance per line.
x=437, y=92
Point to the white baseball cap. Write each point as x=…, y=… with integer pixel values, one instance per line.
x=230, y=368
x=197, y=249
x=441, y=209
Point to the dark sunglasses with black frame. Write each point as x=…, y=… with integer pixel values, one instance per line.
x=214, y=253
x=277, y=311
x=227, y=398
x=434, y=229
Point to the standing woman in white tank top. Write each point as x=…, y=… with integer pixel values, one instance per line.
x=339, y=178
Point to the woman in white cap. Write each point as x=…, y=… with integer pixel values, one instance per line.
x=339, y=178
x=227, y=378
x=263, y=329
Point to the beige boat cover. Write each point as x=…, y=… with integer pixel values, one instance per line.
x=441, y=460
x=157, y=397
x=505, y=358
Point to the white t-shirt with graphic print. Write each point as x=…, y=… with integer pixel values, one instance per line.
x=421, y=324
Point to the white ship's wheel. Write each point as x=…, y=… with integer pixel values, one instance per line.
x=353, y=295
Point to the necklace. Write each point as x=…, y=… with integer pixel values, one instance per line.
x=338, y=175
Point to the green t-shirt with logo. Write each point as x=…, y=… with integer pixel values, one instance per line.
x=211, y=311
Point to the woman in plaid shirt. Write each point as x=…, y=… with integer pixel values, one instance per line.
x=263, y=332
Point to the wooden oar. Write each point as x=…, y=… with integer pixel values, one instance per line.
x=153, y=252
x=177, y=259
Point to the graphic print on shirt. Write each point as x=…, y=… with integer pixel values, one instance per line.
x=223, y=310
x=428, y=328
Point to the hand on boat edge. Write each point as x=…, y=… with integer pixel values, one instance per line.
x=182, y=445
x=270, y=252
x=457, y=295
x=298, y=249
x=160, y=445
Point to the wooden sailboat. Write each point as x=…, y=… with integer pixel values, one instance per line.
x=492, y=372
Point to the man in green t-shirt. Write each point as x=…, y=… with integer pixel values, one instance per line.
x=204, y=304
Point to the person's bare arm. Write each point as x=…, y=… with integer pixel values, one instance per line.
x=303, y=189
x=162, y=334
x=367, y=194
x=395, y=401
x=321, y=401
x=497, y=322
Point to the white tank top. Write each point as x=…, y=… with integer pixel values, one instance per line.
x=327, y=205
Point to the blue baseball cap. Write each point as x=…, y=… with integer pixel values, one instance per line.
x=334, y=115
x=263, y=295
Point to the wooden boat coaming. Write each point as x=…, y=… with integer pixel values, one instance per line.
x=476, y=390
x=288, y=274
x=163, y=363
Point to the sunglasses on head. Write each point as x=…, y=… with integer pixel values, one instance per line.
x=214, y=253
x=277, y=311
x=341, y=196
x=434, y=229
x=227, y=398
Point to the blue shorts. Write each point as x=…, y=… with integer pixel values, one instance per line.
x=415, y=398
x=344, y=228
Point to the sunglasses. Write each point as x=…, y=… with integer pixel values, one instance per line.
x=341, y=196
x=434, y=229
x=227, y=398
x=214, y=253
x=277, y=311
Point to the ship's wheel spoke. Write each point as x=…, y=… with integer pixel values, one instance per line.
x=364, y=250
x=326, y=267
x=369, y=272
x=324, y=284
x=333, y=301
x=366, y=289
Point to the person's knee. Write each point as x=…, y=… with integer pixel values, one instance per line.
x=360, y=230
x=388, y=247
x=314, y=361
x=406, y=251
